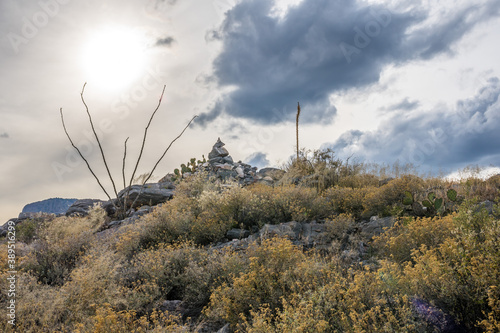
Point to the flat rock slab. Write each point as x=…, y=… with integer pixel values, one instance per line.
x=151, y=195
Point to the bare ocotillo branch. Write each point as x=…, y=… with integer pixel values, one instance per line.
x=163, y=155
x=123, y=165
x=98, y=142
x=81, y=155
x=145, y=134
x=121, y=204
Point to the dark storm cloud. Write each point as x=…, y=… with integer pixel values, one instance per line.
x=258, y=159
x=449, y=139
x=320, y=47
x=166, y=41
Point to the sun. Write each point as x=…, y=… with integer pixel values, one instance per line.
x=113, y=57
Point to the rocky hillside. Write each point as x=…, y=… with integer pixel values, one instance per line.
x=219, y=246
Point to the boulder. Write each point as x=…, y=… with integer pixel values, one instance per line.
x=376, y=225
x=291, y=230
x=173, y=307
x=384, y=181
x=225, y=329
x=150, y=194
x=272, y=173
x=487, y=205
x=83, y=206
x=237, y=234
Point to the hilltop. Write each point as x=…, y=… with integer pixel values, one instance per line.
x=320, y=245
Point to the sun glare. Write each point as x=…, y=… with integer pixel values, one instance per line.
x=113, y=57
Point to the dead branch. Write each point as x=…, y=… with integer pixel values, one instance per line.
x=145, y=134
x=98, y=141
x=123, y=164
x=83, y=158
x=163, y=155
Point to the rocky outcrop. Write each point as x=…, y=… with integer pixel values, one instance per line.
x=149, y=194
x=307, y=235
x=376, y=225
x=83, y=206
x=237, y=234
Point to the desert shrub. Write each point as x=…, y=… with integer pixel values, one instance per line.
x=109, y=320
x=492, y=322
x=94, y=282
x=38, y=307
x=381, y=201
x=184, y=271
x=359, y=180
x=472, y=185
x=340, y=225
x=277, y=269
x=409, y=234
x=321, y=169
x=26, y=231
x=348, y=200
x=459, y=274
x=359, y=301
x=61, y=242
x=288, y=203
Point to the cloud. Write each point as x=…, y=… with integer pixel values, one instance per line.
x=166, y=41
x=258, y=159
x=439, y=138
x=4, y=135
x=404, y=105
x=320, y=47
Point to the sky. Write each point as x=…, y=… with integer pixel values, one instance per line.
x=383, y=81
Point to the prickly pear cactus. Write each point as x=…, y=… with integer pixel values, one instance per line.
x=452, y=195
x=408, y=198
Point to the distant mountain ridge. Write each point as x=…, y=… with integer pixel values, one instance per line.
x=52, y=206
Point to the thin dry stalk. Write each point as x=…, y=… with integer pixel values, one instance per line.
x=97, y=139
x=163, y=155
x=83, y=158
x=297, y=129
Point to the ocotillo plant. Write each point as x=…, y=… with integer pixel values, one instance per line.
x=297, y=129
x=121, y=205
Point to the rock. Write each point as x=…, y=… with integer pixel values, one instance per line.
x=384, y=181
x=315, y=235
x=173, y=307
x=83, y=206
x=237, y=234
x=226, y=174
x=228, y=159
x=436, y=318
x=222, y=166
x=27, y=215
x=273, y=173
x=418, y=209
x=488, y=205
x=218, y=150
x=151, y=194
x=376, y=225
x=240, y=172
x=225, y=329
x=291, y=230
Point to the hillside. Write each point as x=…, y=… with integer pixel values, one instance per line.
x=320, y=246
